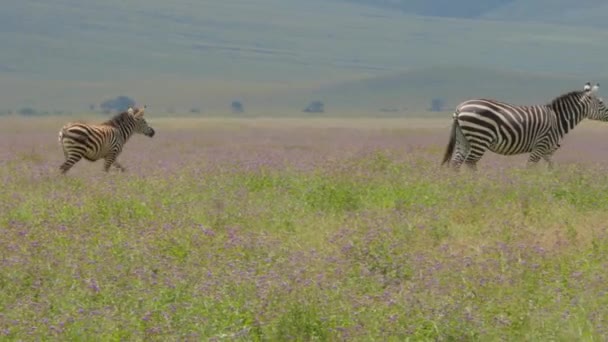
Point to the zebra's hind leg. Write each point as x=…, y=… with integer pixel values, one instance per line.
x=533, y=160
x=457, y=160
x=474, y=156
x=460, y=155
x=462, y=151
x=119, y=166
x=70, y=161
x=549, y=159
x=471, y=164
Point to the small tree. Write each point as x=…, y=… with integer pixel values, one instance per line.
x=27, y=111
x=117, y=104
x=237, y=107
x=315, y=107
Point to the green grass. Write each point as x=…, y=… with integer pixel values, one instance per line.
x=368, y=244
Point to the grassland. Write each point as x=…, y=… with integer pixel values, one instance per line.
x=299, y=229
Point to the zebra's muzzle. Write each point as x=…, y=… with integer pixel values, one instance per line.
x=151, y=133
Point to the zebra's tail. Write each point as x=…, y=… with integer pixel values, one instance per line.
x=61, y=134
x=450, y=148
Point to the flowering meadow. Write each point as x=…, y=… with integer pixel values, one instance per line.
x=281, y=230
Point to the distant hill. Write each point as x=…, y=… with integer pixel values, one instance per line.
x=184, y=54
x=590, y=13
x=412, y=91
x=439, y=8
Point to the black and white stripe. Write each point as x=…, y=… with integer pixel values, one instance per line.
x=106, y=140
x=481, y=124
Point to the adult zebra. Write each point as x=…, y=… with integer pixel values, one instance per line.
x=481, y=124
x=106, y=140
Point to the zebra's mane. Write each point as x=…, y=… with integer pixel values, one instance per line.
x=561, y=98
x=117, y=119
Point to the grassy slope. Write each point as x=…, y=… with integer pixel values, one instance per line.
x=66, y=53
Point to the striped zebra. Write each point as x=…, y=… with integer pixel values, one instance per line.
x=106, y=140
x=481, y=124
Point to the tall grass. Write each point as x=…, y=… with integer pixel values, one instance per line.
x=347, y=237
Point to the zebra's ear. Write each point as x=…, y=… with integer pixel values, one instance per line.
x=587, y=86
x=140, y=112
x=130, y=111
x=595, y=88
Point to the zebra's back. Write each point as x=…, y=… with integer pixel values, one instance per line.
x=505, y=128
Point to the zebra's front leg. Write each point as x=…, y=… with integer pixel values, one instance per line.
x=109, y=160
x=548, y=157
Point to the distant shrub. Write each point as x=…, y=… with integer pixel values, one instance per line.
x=437, y=105
x=27, y=111
x=315, y=107
x=117, y=104
x=237, y=107
x=195, y=110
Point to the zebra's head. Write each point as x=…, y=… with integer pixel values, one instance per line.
x=597, y=108
x=141, y=126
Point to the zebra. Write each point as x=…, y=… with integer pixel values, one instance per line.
x=106, y=140
x=482, y=124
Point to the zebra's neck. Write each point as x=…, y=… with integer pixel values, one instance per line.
x=123, y=123
x=570, y=109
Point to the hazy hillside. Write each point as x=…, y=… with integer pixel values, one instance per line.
x=413, y=91
x=184, y=54
x=440, y=8
x=576, y=13
x=590, y=13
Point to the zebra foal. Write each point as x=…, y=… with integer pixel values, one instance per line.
x=480, y=125
x=105, y=140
